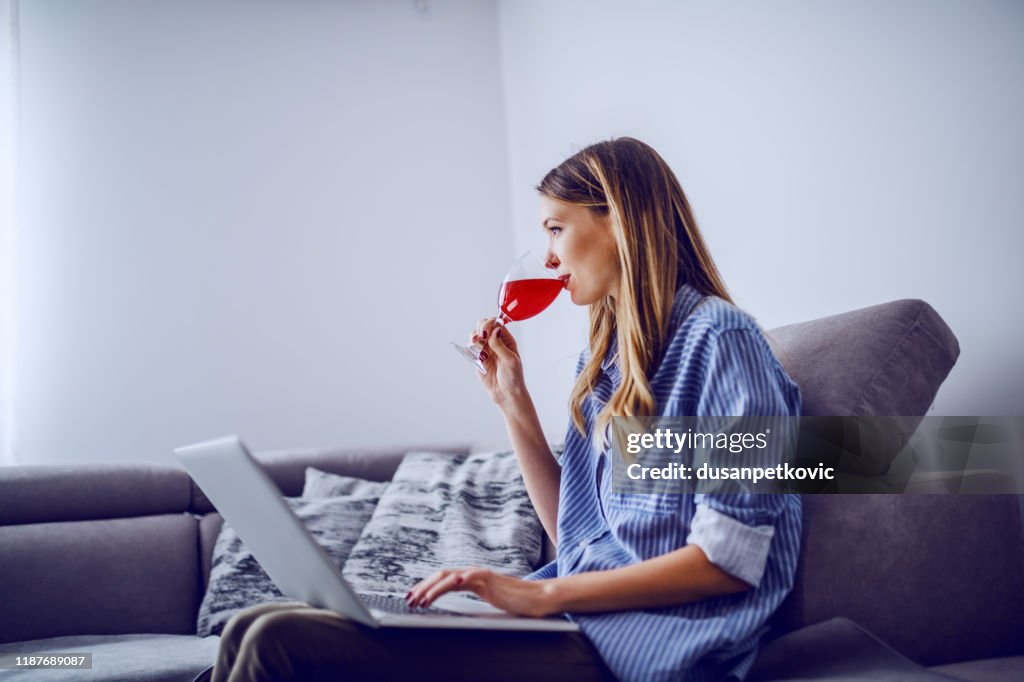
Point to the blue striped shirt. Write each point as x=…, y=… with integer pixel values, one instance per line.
x=717, y=363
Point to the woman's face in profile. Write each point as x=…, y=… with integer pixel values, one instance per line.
x=580, y=245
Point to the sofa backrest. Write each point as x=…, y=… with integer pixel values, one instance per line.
x=884, y=360
x=940, y=578
x=117, y=548
x=104, y=549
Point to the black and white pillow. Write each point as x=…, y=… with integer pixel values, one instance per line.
x=446, y=511
x=334, y=509
x=322, y=484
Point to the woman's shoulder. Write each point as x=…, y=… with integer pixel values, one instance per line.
x=715, y=332
x=701, y=324
x=694, y=313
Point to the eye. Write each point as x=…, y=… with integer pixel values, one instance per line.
x=554, y=230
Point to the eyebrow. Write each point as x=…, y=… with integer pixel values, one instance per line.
x=545, y=223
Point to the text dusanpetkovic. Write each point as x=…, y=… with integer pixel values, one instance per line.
x=707, y=472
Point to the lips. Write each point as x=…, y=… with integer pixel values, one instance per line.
x=565, y=281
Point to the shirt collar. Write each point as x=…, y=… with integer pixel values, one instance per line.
x=685, y=301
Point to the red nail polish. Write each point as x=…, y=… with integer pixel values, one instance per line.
x=483, y=356
x=484, y=336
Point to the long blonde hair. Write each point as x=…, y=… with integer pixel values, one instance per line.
x=659, y=249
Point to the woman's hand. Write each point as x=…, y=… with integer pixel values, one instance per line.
x=521, y=597
x=500, y=357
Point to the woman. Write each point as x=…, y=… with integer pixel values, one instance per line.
x=664, y=587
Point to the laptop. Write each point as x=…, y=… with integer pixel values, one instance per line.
x=251, y=502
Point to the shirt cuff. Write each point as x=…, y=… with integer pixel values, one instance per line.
x=545, y=572
x=733, y=546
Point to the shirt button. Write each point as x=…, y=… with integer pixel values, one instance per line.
x=583, y=544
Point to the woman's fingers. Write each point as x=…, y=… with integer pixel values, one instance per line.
x=429, y=589
x=471, y=579
x=483, y=326
x=446, y=584
x=503, y=345
x=482, y=333
x=419, y=589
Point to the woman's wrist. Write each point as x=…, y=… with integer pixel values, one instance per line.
x=517, y=406
x=550, y=591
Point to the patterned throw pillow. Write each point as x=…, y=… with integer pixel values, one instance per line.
x=322, y=484
x=335, y=517
x=445, y=511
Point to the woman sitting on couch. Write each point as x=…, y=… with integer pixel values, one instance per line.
x=663, y=586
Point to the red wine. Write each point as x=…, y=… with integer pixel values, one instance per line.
x=521, y=299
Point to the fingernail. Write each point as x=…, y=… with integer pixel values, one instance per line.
x=458, y=581
x=483, y=336
x=483, y=356
x=497, y=333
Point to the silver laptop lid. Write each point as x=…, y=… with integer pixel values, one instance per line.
x=250, y=501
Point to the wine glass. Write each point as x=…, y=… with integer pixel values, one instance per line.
x=528, y=288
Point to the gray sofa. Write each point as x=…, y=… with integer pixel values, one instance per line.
x=113, y=559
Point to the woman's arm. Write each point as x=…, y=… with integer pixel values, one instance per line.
x=541, y=472
x=504, y=381
x=681, y=576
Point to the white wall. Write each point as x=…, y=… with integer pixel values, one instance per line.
x=270, y=217
x=837, y=155
x=257, y=217
x=8, y=118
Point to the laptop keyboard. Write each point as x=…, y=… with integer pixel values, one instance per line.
x=398, y=605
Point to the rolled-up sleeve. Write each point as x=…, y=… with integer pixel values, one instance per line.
x=733, y=546
x=735, y=531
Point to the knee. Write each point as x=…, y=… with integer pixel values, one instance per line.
x=270, y=628
x=240, y=623
x=265, y=651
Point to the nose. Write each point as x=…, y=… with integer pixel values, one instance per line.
x=551, y=260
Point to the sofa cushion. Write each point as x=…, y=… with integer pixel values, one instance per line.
x=140, y=658
x=986, y=670
x=237, y=581
x=885, y=360
x=445, y=511
x=837, y=649
x=41, y=494
x=112, y=576
x=940, y=578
